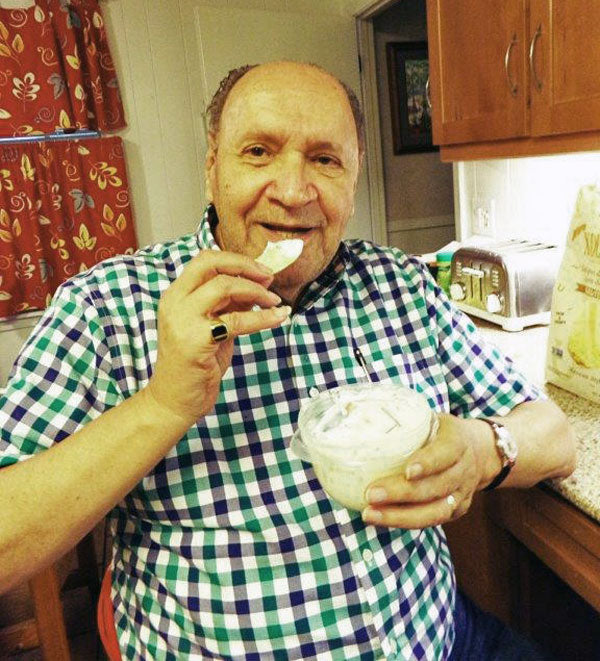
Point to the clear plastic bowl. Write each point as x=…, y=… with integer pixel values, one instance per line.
x=357, y=433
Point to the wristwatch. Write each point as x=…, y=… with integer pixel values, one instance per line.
x=507, y=449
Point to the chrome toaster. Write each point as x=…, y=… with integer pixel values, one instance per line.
x=508, y=283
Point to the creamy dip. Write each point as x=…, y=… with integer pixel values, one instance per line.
x=355, y=434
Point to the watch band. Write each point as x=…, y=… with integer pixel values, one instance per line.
x=507, y=450
x=502, y=475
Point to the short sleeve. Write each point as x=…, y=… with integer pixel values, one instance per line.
x=60, y=381
x=481, y=380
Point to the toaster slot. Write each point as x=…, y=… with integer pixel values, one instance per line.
x=477, y=281
x=474, y=283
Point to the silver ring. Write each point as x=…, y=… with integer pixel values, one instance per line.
x=451, y=500
x=219, y=331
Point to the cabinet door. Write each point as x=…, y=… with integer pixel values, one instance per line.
x=565, y=66
x=477, y=60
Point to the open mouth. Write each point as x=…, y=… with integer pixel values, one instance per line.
x=287, y=230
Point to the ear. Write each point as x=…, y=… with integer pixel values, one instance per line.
x=210, y=163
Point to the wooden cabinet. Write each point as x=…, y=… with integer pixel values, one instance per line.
x=514, y=77
x=565, y=66
x=533, y=559
x=477, y=70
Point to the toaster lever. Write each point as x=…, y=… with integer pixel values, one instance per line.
x=469, y=270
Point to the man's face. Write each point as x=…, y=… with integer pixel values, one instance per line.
x=284, y=165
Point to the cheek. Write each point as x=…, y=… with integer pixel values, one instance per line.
x=337, y=205
x=241, y=191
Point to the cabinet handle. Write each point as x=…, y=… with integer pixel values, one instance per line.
x=536, y=81
x=427, y=94
x=513, y=87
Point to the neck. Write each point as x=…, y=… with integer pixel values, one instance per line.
x=289, y=295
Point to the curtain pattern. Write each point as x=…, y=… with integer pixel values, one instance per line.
x=64, y=206
x=56, y=71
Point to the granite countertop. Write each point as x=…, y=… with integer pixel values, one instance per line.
x=527, y=348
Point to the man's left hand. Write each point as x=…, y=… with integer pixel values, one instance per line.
x=437, y=484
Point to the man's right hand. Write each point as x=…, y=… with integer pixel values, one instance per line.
x=190, y=364
x=78, y=480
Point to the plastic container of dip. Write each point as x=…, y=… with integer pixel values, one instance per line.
x=355, y=434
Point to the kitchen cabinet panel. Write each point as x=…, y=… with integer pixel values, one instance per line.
x=478, y=70
x=565, y=66
x=520, y=77
x=531, y=558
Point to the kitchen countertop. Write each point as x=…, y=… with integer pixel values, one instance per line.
x=527, y=348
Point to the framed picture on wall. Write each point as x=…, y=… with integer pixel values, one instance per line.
x=408, y=72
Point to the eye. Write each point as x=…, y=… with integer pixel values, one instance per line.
x=327, y=161
x=256, y=152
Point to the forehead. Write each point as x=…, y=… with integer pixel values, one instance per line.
x=289, y=99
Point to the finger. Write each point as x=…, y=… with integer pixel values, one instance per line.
x=223, y=291
x=244, y=323
x=435, y=457
x=412, y=516
x=397, y=489
x=209, y=263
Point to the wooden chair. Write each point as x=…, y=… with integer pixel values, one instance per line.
x=47, y=629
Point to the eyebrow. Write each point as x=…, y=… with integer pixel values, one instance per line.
x=327, y=146
x=270, y=137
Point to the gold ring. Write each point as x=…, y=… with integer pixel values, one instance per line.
x=219, y=331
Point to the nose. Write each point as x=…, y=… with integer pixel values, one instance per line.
x=291, y=184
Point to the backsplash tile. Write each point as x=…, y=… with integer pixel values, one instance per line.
x=534, y=197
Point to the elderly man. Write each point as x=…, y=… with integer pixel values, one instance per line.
x=177, y=416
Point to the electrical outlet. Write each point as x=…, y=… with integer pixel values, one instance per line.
x=484, y=217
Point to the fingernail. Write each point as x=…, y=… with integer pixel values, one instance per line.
x=413, y=471
x=275, y=297
x=283, y=311
x=369, y=515
x=264, y=269
x=376, y=494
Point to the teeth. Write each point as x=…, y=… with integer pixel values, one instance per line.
x=288, y=232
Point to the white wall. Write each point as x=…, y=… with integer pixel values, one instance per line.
x=12, y=335
x=534, y=197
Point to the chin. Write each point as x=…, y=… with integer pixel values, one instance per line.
x=289, y=280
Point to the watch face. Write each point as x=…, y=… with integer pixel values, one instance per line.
x=507, y=444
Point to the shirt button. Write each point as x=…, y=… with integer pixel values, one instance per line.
x=367, y=556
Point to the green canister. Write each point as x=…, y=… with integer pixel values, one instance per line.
x=444, y=263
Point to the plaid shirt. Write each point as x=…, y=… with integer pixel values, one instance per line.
x=229, y=548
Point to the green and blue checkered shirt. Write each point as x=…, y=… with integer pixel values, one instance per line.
x=229, y=548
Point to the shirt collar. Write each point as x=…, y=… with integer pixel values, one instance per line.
x=324, y=284
x=206, y=230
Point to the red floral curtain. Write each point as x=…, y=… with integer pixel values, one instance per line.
x=63, y=207
x=56, y=71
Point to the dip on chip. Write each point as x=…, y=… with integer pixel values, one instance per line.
x=279, y=255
